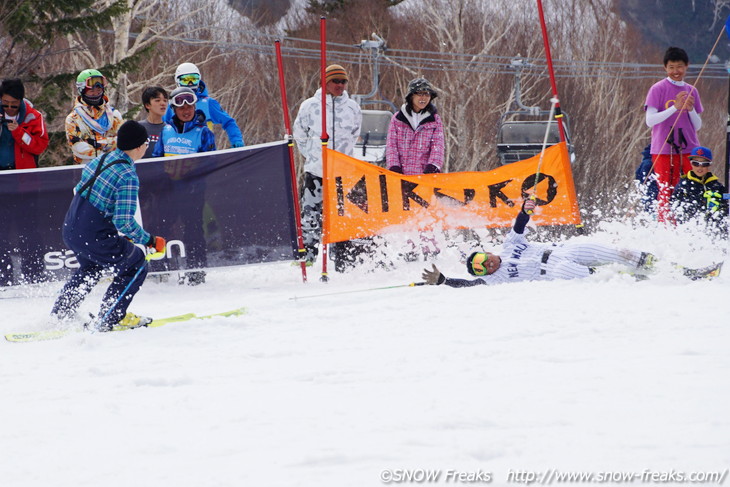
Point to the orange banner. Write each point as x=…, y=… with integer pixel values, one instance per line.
x=361, y=199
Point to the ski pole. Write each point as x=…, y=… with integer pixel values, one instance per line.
x=136, y=274
x=413, y=284
x=553, y=103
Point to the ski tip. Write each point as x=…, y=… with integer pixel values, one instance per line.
x=234, y=312
x=36, y=336
x=709, y=272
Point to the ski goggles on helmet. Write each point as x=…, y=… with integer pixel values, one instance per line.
x=479, y=263
x=192, y=79
x=183, y=99
x=95, y=82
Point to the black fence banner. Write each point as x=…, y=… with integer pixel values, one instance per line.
x=215, y=209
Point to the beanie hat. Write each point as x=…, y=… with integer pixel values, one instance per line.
x=418, y=85
x=131, y=135
x=13, y=87
x=701, y=152
x=335, y=71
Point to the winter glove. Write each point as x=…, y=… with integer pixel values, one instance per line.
x=236, y=145
x=713, y=200
x=528, y=207
x=397, y=169
x=433, y=277
x=157, y=243
x=431, y=169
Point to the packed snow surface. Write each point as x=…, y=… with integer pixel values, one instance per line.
x=340, y=384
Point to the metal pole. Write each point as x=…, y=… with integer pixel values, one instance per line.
x=726, y=196
x=324, y=138
x=290, y=139
x=413, y=284
x=553, y=84
x=727, y=132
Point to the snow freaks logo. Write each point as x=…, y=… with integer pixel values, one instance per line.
x=66, y=259
x=423, y=476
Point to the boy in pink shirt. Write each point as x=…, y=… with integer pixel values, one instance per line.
x=672, y=111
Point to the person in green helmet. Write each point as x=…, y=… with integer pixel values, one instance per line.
x=92, y=125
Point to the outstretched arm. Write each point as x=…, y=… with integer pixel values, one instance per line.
x=434, y=277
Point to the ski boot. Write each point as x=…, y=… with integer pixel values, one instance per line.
x=647, y=261
x=129, y=322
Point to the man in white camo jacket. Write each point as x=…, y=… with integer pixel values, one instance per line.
x=343, y=127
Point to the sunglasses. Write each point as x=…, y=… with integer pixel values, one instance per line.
x=183, y=98
x=701, y=164
x=188, y=79
x=423, y=93
x=479, y=264
x=95, y=82
x=339, y=81
x=14, y=107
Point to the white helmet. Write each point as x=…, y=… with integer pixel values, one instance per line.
x=187, y=68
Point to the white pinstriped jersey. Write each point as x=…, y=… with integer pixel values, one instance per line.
x=522, y=260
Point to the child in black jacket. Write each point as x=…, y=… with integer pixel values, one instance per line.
x=699, y=194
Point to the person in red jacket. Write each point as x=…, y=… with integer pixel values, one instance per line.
x=23, y=135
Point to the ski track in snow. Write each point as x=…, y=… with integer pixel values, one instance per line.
x=604, y=374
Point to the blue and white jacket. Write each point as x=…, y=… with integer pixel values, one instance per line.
x=195, y=137
x=214, y=114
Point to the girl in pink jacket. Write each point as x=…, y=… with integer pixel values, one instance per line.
x=415, y=143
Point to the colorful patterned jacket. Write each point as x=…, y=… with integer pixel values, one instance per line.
x=92, y=131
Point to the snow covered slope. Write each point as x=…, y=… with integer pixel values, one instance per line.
x=601, y=375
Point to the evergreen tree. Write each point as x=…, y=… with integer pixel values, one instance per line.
x=32, y=38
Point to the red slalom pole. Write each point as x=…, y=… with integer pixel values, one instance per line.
x=553, y=84
x=290, y=138
x=325, y=138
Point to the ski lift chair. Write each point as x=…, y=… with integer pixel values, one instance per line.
x=370, y=145
x=521, y=139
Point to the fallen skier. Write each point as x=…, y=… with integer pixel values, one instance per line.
x=521, y=260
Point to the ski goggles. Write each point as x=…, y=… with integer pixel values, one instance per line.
x=191, y=79
x=479, y=263
x=183, y=98
x=95, y=82
x=700, y=163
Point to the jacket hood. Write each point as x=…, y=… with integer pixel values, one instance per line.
x=318, y=95
x=646, y=152
x=80, y=102
x=709, y=177
x=202, y=89
x=197, y=121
